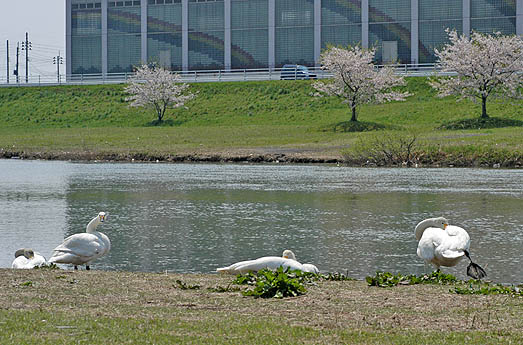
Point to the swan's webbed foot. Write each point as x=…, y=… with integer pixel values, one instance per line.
x=75, y=268
x=475, y=271
x=87, y=268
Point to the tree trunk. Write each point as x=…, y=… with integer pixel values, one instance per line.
x=353, y=118
x=484, y=107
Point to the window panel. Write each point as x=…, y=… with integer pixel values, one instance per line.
x=206, y=35
x=492, y=8
x=440, y=10
x=86, y=22
x=507, y=25
x=432, y=35
x=86, y=54
x=123, y=52
x=389, y=11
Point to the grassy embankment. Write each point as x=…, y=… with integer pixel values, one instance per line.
x=248, y=120
x=95, y=307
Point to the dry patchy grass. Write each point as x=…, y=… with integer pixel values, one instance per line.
x=124, y=304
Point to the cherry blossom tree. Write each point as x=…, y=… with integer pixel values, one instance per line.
x=356, y=79
x=157, y=88
x=486, y=66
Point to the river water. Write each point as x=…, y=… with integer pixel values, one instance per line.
x=197, y=217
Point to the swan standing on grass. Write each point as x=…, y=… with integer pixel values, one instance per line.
x=288, y=260
x=26, y=258
x=442, y=244
x=81, y=249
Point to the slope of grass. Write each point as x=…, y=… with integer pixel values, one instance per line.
x=235, y=117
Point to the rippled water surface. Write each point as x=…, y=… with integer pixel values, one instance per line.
x=197, y=217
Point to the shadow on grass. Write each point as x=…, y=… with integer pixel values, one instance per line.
x=355, y=126
x=481, y=123
x=164, y=123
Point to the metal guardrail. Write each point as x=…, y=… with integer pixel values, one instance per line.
x=202, y=76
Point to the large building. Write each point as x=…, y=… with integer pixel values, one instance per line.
x=106, y=36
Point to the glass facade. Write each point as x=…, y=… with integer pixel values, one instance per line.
x=389, y=30
x=206, y=34
x=434, y=19
x=124, y=45
x=340, y=23
x=164, y=35
x=294, y=32
x=249, y=33
x=259, y=33
x=86, y=38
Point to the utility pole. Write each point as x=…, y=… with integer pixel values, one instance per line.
x=16, y=71
x=27, y=46
x=58, y=60
x=7, y=75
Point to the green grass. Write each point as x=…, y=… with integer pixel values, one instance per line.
x=238, y=118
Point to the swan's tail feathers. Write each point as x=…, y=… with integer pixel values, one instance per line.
x=474, y=270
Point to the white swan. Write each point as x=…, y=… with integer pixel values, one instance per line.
x=288, y=260
x=81, y=249
x=26, y=258
x=442, y=244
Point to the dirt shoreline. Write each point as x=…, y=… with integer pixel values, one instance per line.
x=257, y=155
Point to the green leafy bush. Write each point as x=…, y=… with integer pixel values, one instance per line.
x=280, y=283
x=475, y=287
x=387, y=279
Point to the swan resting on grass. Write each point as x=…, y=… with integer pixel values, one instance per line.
x=442, y=244
x=288, y=260
x=26, y=258
x=81, y=249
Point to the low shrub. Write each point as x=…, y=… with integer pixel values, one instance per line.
x=280, y=283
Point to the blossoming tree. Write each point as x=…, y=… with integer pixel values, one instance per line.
x=356, y=80
x=157, y=88
x=486, y=66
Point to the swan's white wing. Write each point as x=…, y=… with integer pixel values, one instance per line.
x=20, y=262
x=84, y=245
x=39, y=259
x=24, y=263
x=232, y=268
x=270, y=262
x=310, y=268
x=451, y=254
x=432, y=238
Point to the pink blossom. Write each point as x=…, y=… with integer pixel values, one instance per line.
x=157, y=88
x=356, y=79
x=486, y=66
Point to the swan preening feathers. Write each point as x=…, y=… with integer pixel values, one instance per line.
x=442, y=244
x=27, y=258
x=81, y=249
x=287, y=260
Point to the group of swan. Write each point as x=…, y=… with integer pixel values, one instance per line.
x=288, y=260
x=77, y=249
x=439, y=243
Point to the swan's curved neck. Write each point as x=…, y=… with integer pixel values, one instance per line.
x=93, y=224
x=420, y=228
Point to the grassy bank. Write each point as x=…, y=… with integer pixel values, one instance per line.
x=276, y=120
x=94, y=307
